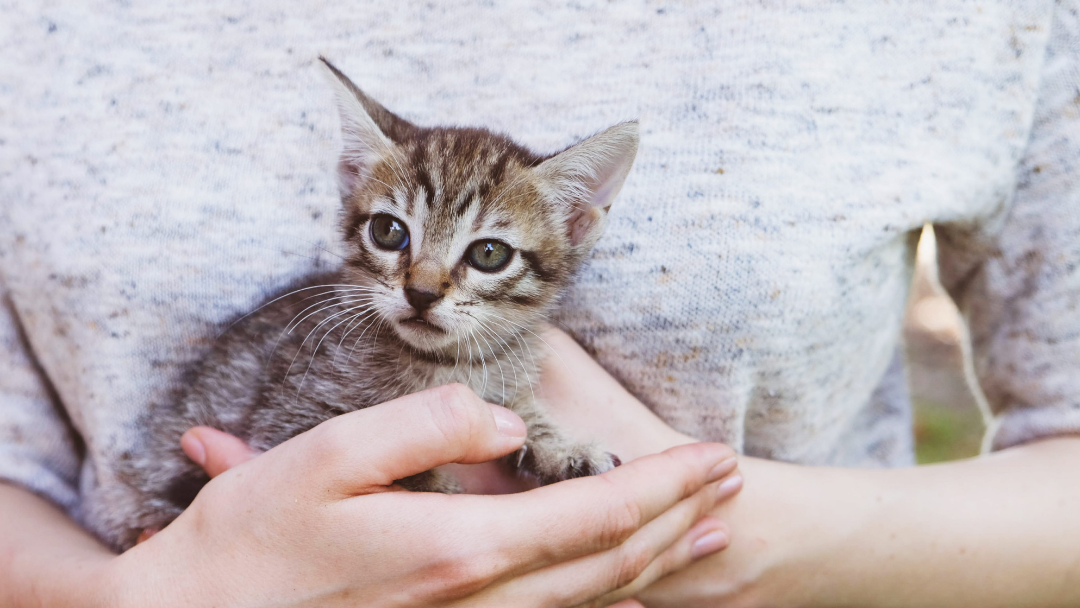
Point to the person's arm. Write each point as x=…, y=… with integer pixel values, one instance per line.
x=38, y=447
x=1001, y=530
x=45, y=558
x=318, y=519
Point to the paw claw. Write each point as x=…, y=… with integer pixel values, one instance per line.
x=615, y=460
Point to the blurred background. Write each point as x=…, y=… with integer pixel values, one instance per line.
x=948, y=424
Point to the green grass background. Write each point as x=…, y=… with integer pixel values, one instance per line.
x=946, y=432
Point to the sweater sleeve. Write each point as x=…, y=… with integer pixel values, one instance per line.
x=1017, y=276
x=38, y=448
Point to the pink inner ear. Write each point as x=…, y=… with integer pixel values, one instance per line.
x=348, y=178
x=581, y=223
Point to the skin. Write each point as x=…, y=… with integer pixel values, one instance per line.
x=995, y=531
x=318, y=521
x=990, y=532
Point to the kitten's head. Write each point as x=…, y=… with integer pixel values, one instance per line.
x=461, y=234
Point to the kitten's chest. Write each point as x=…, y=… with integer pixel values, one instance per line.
x=505, y=377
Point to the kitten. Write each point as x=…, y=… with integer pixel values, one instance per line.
x=458, y=242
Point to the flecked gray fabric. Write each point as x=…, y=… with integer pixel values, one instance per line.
x=162, y=168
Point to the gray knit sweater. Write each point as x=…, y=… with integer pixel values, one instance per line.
x=163, y=168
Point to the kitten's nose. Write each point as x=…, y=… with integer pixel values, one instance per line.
x=421, y=300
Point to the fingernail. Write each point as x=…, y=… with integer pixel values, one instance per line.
x=146, y=534
x=508, y=423
x=729, y=486
x=193, y=447
x=711, y=542
x=722, y=469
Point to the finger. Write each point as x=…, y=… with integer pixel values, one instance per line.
x=708, y=536
x=146, y=534
x=631, y=603
x=489, y=478
x=588, y=515
x=580, y=394
x=379, y=445
x=215, y=451
x=596, y=580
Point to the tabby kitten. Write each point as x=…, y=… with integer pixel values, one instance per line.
x=458, y=243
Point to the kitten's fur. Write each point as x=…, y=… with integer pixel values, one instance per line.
x=342, y=342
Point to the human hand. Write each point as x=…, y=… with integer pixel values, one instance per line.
x=318, y=519
x=589, y=405
x=588, y=402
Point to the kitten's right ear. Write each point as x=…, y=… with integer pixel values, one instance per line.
x=368, y=130
x=586, y=177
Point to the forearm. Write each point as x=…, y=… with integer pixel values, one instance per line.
x=45, y=558
x=1002, y=530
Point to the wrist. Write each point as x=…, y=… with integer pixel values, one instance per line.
x=136, y=579
x=75, y=581
x=46, y=559
x=786, y=526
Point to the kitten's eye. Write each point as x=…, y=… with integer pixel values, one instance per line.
x=489, y=256
x=389, y=232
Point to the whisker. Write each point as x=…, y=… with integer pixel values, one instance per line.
x=308, y=336
x=505, y=350
x=398, y=170
x=375, y=179
x=360, y=337
x=319, y=246
x=359, y=317
x=468, y=349
x=483, y=363
x=517, y=336
x=502, y=374
x=276, y=250
x=457, y=356
x=351, y=293
x=374, y=340
x=509, y=188
x=289, y=326
x=317, y=346
x=329, y=285
x=537, y=337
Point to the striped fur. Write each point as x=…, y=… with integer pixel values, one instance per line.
x=342, y=342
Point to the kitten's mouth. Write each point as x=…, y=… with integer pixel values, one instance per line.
x=420, y=324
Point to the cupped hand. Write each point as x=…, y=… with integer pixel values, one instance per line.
x=318, y=520
x=590, y=405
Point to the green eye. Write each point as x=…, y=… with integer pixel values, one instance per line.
x=489, y=256
x=389, y=232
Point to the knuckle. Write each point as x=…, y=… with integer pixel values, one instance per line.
x=629, y=565
x=690, y=480
x=726, y=450
x=455, y=413
x=456, y=394
x=623, y=519
x=328, y=443
x=454, y=578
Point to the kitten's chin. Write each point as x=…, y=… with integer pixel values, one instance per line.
x=423, y=335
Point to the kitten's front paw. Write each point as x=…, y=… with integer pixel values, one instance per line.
x=591, y=461
x=553, y=463
x=431, y=481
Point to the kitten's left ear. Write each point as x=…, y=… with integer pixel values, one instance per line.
x=587, y=176
x=368, y=130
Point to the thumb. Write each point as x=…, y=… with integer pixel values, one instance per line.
x=215, y=451
x=361, y=451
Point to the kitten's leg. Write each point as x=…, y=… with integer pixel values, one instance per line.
x=550, y=455
x=431, y=481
